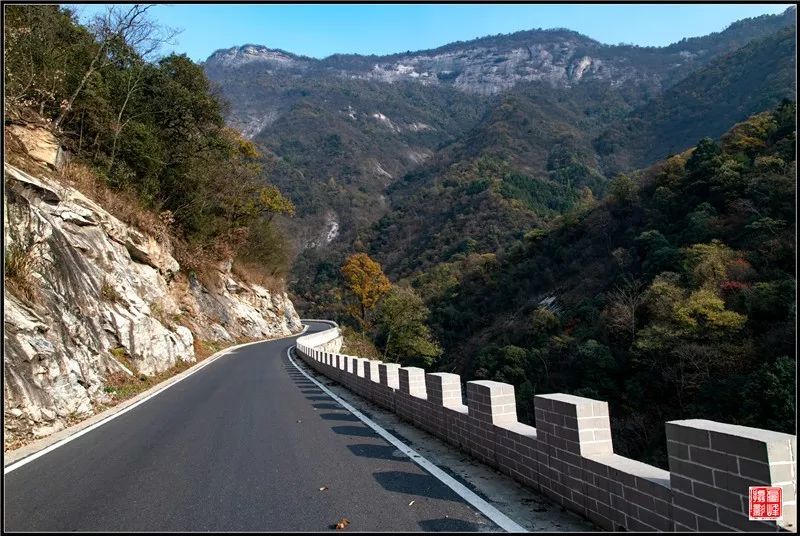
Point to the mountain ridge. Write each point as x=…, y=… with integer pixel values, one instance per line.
x=477, y=40
x=484, y=66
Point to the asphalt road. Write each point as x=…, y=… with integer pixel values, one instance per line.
x=244, y=444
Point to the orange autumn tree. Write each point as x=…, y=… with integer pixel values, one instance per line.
x=365, y=279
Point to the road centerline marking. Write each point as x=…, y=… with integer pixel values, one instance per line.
x=492, y=513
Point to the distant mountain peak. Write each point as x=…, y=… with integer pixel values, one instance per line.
x=250, y=53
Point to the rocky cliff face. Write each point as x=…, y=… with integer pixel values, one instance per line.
x=476, y=67
x=88, y=296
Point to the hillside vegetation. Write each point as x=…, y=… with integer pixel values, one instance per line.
x=673, y=298
x=527, y=161
x=148, y=127
x=705, y=103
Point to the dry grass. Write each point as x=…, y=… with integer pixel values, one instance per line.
x=122, y=387
x=205, y=349
x=123, y=204
x=198, y=261
x=20, y=263
x=251, y=273
x=356, y=343
x=157, y=311
x=202, y=260
x=109, y=293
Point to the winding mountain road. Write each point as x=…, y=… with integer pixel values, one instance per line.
x=244, y=444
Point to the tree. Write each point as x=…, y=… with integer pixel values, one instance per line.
x=133, y=82
x=132, y=55
x=401, y=319
x=273, y=202
x=750, y=136
x=120, y=27
x=657, y=253
x=623, y=189
x=147, y=125
x=704, y=160
x=624, y=304
x=594, y=366
x=365, y=279
x=501, y=363
x=672, y=172
x=41, y=43
x=708, y=263
x=704, y=313
x=769, y=398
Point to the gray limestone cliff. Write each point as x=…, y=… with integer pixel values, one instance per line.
x=87, y=296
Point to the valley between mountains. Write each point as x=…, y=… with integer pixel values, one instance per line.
x=601, y=220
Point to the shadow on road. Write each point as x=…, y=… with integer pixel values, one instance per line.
x=322, y=397
x=339, y=417
x=415, y=484
x=325, y=405
x=360, y=431
x=380, y=452
x=303, y=383
x=306, y=386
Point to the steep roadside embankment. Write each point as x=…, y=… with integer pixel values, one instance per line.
x=89, y=298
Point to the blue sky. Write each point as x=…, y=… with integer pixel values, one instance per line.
x=321, y=30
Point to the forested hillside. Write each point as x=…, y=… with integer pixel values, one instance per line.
x=705, y=103
x=673, y=298
x=527, y=161
x=343, y=142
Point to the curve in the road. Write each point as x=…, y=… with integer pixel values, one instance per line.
x=246, y=443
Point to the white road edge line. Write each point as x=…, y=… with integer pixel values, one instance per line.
x=76, y=435
x=495, y=515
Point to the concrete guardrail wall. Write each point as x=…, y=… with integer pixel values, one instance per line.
x=569, y=455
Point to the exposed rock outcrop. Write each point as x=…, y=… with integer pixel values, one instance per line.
x=32, y=133
x=87, y=294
